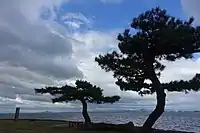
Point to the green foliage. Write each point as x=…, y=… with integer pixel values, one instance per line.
x=82, y=91
x=154, y=36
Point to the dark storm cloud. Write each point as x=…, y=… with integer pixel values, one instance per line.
x=35, y=47
x=32, y=53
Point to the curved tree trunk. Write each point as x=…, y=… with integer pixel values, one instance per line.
x=160, y=107
x=85, y=113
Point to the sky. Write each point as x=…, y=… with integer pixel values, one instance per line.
x=53, y=42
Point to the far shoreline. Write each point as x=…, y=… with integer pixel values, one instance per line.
x=100, y=111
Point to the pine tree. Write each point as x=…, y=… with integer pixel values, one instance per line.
x=83, y=91
x=154, y=36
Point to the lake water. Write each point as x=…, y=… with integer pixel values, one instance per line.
x=183, y=121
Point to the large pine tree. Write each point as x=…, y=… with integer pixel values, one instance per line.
x=154, y=36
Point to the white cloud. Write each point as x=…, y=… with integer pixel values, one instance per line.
x=87, y=46
x=75, y=21
x=112, y=1
x=191, y=8
x=181, y=69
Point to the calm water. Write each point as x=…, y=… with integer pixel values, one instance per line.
x=184, y=121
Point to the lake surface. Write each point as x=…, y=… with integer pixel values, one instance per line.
x=183, y=121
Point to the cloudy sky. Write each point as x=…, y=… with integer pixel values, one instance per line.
x=51, y=42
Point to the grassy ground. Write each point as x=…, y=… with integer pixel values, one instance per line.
x=32, y=126
x=27, y=126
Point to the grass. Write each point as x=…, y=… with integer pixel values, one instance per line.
x=50, y=126
x=32, y=126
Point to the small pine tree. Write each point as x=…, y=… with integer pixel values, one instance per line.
x=157, y=36
x=83, y=92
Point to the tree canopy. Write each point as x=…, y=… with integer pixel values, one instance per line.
x=83, y=91
x=154, y=36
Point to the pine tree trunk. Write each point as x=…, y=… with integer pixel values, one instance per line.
x=85, y=113
x=160, y=107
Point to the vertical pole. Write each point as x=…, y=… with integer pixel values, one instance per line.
x=17, y=114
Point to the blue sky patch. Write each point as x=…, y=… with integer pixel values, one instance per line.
x=113, y=16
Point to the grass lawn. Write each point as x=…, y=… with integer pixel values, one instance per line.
x=27, y=126
x=48, y=126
